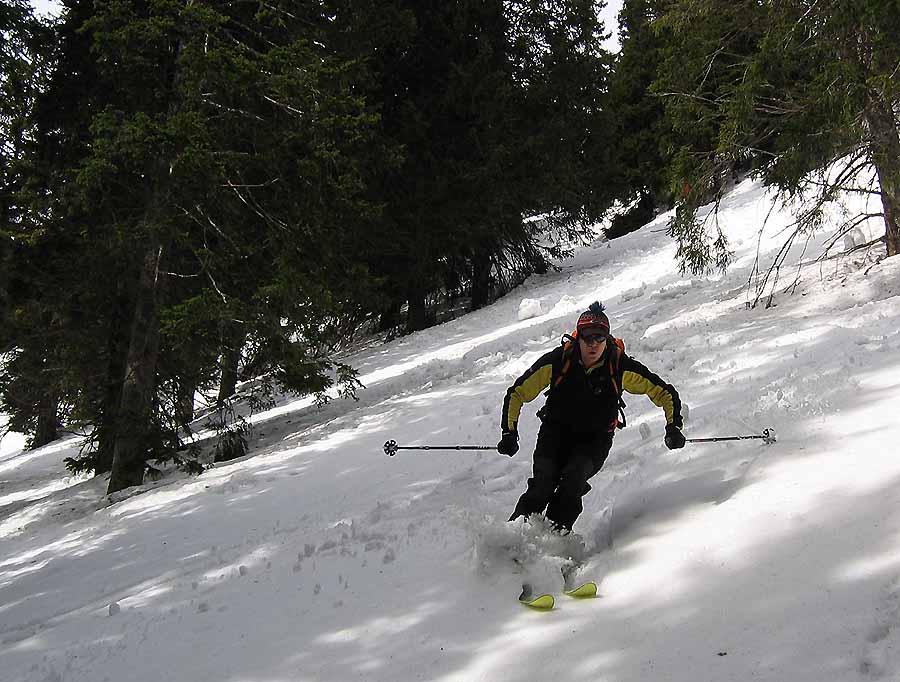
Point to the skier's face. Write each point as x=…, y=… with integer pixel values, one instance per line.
x=592, y=346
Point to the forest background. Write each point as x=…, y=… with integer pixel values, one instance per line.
x=203, y=204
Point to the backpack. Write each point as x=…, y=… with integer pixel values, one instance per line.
x=617, y=348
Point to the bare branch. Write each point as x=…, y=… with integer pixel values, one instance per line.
x=254, y=206
x=286, y=107
x=232, y=110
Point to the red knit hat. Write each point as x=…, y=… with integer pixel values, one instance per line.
x=593, y=318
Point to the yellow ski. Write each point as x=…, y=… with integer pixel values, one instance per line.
x=585, y=591
x=542, y=602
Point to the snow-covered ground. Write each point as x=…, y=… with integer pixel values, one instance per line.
x=319, y=558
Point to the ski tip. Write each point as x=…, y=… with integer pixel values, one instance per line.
x=543, y=602
x=587, y=590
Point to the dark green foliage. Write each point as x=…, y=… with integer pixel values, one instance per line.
x=785, y=89
x=214, y=192
x=209, y=163
x=708, y=47
x=641, y=133
x=490, y=104
x=196, y=195
x=26, y=394
x=233, y=433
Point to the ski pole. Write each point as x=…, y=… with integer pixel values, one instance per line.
x=767, y=436
x=391, y=447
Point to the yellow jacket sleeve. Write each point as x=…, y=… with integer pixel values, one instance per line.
x=528, y=387
x=639, y=380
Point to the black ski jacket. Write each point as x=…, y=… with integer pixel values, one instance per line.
x=587, y=399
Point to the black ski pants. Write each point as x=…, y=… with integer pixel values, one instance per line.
x=563, y=462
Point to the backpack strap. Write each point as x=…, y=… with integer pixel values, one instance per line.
x=568, y=343
x=616, y=349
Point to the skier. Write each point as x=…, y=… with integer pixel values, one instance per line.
x=586, y=377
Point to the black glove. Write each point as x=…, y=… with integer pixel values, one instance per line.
x=674, y=437
x=509, y=443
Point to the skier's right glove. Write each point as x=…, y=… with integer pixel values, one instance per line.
x=509, y=443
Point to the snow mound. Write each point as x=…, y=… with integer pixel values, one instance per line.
x=529, y=308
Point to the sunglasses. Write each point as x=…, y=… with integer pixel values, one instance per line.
x=593, y=339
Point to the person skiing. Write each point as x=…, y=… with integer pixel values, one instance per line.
x=586, y=377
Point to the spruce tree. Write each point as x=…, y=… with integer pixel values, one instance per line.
x=208, y=161
x=641, y=153
x=786, y=89
x=32, y=403
x=492, y=106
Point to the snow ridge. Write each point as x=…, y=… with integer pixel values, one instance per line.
x=316, y=557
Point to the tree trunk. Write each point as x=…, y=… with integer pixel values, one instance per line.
x=184, y=401
x=890, y=199
x=481, y=280
x=117, y=358
x=885, y=153
x=232, y=345
x=106, y=442
x=138, y=388
x=390, y=316
x=47, y=429
x=416, y=310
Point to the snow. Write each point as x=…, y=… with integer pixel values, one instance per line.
x=528, y=308
x=316, y=557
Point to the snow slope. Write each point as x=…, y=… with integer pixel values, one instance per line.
x=319, y=558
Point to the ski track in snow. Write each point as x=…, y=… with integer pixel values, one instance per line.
x=319, y=558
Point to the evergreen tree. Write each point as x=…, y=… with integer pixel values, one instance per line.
x=641, y=130
x=824, y=87
x=707, y=51
x=208, y=161
x=491, y=104
x=564, y=134
x=217, y=188
x=788, y=88
x=23, y=62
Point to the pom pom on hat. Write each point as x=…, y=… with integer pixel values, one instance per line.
x=593, y=318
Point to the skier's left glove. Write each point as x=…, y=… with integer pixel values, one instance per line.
x=674, y=437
